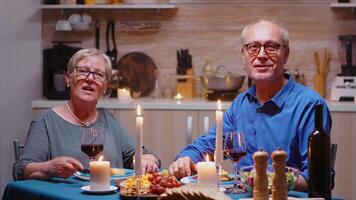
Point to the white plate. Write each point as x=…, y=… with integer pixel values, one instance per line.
x=87, y=189
x=86, y=176
x=192, y=179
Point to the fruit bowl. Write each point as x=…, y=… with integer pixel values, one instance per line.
x=247, y=177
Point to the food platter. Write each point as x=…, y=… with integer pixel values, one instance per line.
x=86, y=175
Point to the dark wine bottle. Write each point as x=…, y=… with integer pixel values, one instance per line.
x=319, y=165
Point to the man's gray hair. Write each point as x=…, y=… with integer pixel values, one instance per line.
x=285, y=33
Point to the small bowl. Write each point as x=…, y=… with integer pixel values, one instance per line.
x=247, y=177
x=63, y=25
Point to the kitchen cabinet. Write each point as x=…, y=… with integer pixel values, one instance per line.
x=165, y=131
x=344, y=135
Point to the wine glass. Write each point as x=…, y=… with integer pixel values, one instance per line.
x=92, y=142
x=235, y=148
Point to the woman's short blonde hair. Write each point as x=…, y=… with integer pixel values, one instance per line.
x=86, y=53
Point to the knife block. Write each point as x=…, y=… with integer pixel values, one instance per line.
x=186, y=87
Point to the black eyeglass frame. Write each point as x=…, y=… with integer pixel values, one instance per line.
x=96, y=75
x=267, y=51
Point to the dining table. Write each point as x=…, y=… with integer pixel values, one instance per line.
x=70, y=189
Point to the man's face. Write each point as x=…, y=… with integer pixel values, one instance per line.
x=264, y=52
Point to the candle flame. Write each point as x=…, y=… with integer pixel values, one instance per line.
x=101, y=158
x=219, y=105
x=207, y=158
x=138, y=110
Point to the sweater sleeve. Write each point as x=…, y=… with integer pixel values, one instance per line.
x=36, y=148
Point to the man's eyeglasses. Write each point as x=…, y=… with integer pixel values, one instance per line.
x=85, y=73
x=270, y=48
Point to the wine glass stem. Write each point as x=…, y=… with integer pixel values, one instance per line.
x=236, y=175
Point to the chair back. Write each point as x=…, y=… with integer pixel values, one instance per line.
x=17, y=149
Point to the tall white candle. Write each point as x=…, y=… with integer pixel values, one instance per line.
x=207, y=173
x=99, y=175
x=139, y=142
x=219, y=156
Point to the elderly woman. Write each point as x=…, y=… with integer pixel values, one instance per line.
x=52, y=147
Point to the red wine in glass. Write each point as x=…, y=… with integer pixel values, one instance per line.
x=235, y=154
x=92, y=150
x=92, y=142
x=235, y=148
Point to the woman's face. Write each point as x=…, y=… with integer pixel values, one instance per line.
x=88, y=81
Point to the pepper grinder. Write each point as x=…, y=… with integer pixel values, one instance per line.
x=279, y=180
x=260, y=189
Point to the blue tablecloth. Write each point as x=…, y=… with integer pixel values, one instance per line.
x=69, y=189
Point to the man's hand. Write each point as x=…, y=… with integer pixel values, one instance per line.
x=182, y=167
x=62, y=167
x=149, y=163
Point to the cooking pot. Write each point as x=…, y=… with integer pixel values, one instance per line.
x=226, y=82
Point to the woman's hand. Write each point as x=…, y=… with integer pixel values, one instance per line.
x=61, y=167
x=149, y=163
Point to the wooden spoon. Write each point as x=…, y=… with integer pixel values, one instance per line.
x=317, y=61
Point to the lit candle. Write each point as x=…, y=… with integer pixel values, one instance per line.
x=99, y=174
x=179, y=98
x=207, y=173
x=139, y=142
x=219, y=156
x=123, y=94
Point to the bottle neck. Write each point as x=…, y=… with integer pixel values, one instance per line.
x=318, y=118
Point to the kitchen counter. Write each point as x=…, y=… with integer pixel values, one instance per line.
x=171, y=104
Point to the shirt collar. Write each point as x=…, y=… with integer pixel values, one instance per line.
x=279, y=98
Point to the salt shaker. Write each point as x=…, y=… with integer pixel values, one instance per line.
x=279, y=180
x=260, y=189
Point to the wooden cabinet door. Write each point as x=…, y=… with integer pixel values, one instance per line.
x=206, y=121
x=165, y=131
x=343, y=134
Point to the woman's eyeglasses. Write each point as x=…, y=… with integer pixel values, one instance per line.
x=269, y=48
x=85, y=73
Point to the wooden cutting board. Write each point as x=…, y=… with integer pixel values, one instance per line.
x=138, y=72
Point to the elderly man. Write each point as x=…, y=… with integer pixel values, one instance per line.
x=274, y=112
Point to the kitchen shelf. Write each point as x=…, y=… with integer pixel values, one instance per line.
x=343, y=5
x=116, y=6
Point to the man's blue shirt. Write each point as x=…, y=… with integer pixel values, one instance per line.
x=285, y=121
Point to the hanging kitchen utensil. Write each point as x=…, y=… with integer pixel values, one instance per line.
x=110, y=28
x=97, y=34
x=114, y=50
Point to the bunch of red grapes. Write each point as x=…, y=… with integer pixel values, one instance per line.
x=160, y=182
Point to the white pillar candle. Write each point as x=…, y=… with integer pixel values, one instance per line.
x=139, y=142
x=207, y=173
x=99, y=175
x=123, y=94
x=219, y=156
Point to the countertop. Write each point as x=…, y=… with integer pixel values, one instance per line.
x=171, y=104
